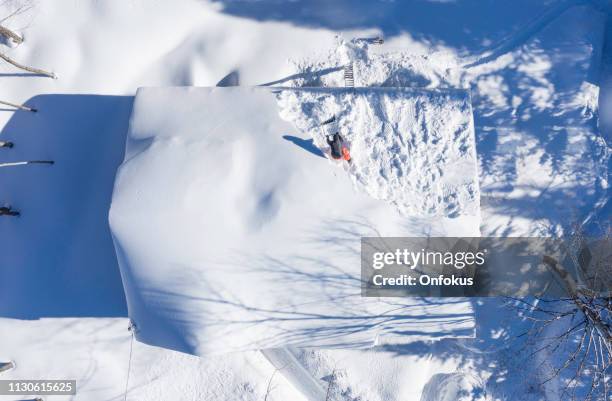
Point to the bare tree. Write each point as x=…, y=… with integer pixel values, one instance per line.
x=573, y=335
x=11, y=36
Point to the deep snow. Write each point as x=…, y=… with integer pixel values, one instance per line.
x=531, y=178
x=414, y=148
x=534, y=96
x=96, y=352
x=231, y=238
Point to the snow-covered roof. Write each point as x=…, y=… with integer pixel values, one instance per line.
x=234, y=231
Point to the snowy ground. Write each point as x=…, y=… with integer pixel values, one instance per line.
x=96, y=352
x=534, y=72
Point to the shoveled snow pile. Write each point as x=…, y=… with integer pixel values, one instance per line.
x=414, y=148
x=232, y=234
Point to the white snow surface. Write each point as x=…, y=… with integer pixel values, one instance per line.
x=414, y=148
x=542, y=163
x=231, y=237
x=98, y=353
x=534, y=97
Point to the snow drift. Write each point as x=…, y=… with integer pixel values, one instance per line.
x=232, y=233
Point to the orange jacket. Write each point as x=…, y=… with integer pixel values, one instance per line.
x=346, y=155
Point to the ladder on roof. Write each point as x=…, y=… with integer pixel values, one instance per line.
x=349, y=76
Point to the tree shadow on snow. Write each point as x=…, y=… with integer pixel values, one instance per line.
x=463, y=25
x=492, y=361
x=58, y=258
x=326, y=309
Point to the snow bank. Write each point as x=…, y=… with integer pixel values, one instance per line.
x=232, y=233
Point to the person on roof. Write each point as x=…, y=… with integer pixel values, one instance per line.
x=339, y=147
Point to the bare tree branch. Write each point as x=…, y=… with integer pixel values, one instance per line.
x=10, y=35
x=575, y=331
x=25, y=6
x=18, y=106
x=26, y=68
x=572, y=289
x=24, y=163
